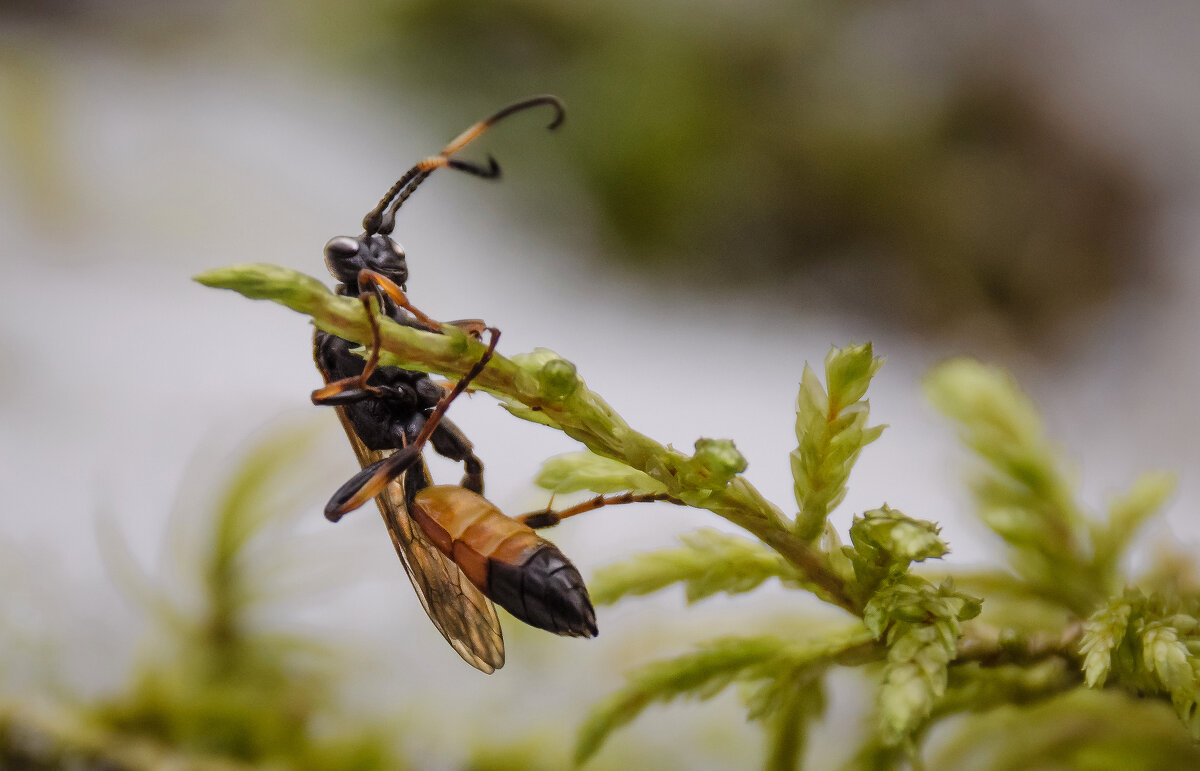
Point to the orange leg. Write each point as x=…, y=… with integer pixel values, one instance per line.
x=549, y=518
x=354, y=389
x=369, y=281
x=435, y=417
x=371, y=481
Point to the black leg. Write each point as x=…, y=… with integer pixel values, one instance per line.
x=435, y=417
x=369, y=482
x=355, y=389
x=416, y=479
x=450, y=442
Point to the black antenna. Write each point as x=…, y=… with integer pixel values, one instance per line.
x=377, y=221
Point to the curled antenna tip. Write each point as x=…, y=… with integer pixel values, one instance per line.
x=560, y=111
x=377, y=221
x=491, y=171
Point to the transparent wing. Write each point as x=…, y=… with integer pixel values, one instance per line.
x=465, y=617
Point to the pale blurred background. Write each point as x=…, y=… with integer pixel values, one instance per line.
x=736, y=188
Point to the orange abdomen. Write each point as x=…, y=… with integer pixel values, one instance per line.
x=522, y=572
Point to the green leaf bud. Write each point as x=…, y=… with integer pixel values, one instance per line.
x=848, y=371
x=895, y=538
x=715, y=463
x=1102, y=635
x=557, y=379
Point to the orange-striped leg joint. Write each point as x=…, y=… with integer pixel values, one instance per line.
x=370, y=281
x=548, y=517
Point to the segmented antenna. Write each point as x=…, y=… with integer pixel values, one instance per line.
x=382, y=219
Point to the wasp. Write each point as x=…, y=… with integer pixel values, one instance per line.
x=459, y=550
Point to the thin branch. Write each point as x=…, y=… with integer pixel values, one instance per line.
x=992, y=647
x=576, y=410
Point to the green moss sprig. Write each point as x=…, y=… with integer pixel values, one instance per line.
x=1066, y=618
x=707, y=479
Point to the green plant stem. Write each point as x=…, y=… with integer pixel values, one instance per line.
x=581, y=414
x=992, y=647
x=1005, y=686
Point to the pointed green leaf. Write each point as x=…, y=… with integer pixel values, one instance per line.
x=260, y=281
x=703, y=674
x=848, y=371
x=577, y=471
x=1128, y=513
x=1022, y=493
x=831, y=430
x=1102, y=635
x=708, y=563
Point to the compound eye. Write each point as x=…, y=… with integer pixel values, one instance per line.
x=397, y=250
x=341, y=248
x=338, y=253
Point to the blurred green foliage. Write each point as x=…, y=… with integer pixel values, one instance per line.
x=917, y=173
x=30, y=134
x=725, y=144
x=218, y=687
x=229, y=688
x=709, y=139
x=942, y=659
x=907, y=622
x=1079, y=730
x=1063, y=617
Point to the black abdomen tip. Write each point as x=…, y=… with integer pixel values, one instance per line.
x=546, y=591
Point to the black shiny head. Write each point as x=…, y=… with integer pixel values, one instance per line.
x=374, y=250
x=345, y=256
